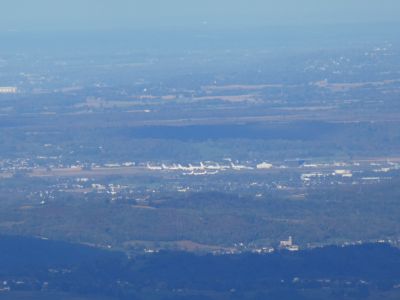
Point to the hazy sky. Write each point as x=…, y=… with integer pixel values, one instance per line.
x=132, y=14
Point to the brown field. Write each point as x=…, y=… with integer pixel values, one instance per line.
x=241, y=87
x=342, y=87
x=251, y=98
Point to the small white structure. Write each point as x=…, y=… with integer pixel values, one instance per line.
x=289, y=245
x=264, y=165
x=342, y=172
x=8, y=90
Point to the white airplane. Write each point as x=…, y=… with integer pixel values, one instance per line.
x=153, y=167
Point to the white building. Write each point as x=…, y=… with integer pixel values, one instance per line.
x=264, y=165
x=8, y=90
x=289, y=245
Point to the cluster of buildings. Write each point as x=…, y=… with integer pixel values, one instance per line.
x=287, y=245
x=358, y=172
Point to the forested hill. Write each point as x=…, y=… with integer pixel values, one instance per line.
x=40, y=266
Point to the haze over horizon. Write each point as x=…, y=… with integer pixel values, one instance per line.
x=24, y=15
